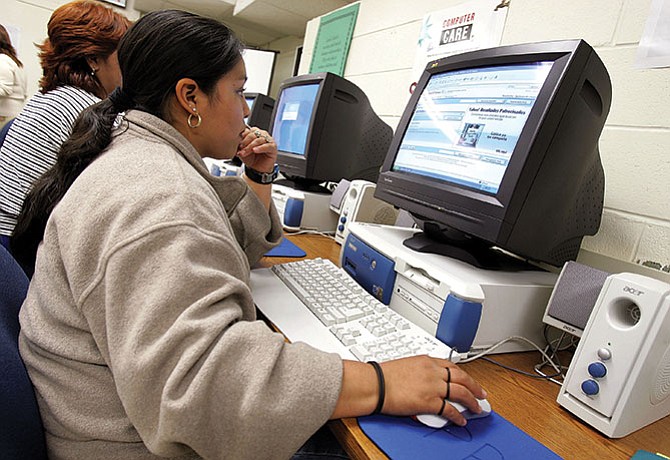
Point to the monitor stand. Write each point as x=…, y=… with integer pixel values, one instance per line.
x=303, y=185
x=478, y=254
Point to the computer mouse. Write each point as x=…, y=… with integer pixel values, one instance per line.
x=436, y=421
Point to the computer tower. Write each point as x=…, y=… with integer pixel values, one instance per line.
x=619, y=378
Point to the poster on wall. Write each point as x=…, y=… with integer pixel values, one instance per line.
x=469, y=26
x=333, y=40
x=654, y=48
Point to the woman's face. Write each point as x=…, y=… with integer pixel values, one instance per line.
x=223, y=116
x=108, y=72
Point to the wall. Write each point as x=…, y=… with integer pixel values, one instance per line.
x=286, y=48
x=31, y=18
x=636, y=220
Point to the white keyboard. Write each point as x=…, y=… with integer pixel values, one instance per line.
x=315, y=302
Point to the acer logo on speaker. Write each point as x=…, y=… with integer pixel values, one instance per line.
x=633, y=291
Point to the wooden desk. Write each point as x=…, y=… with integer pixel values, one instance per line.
x=530, y=404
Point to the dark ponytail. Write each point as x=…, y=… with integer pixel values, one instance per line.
x=91, y=134
x=161, y=48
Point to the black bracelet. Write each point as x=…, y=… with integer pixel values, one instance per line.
x=382, y=387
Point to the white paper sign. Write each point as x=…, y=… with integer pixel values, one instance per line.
x=260, y=64
x=469, y=26
x=654, y=48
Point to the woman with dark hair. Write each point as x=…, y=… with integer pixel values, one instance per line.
x=139, y=330
x=79, y=67
x=12, y=80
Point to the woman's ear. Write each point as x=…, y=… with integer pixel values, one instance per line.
x=93, y=64
x=187, y=93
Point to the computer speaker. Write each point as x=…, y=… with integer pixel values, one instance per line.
x=358, y=204
x=619, y=378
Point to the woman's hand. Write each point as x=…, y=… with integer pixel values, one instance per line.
x=258, y=150
x=420, y=384
x=413, y=386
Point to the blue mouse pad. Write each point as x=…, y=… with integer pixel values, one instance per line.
x=487, y=438
x=286, y=249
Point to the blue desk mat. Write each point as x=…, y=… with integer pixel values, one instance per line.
x=487, y=438
x=286, y=249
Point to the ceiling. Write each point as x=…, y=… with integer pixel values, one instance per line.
x=256, y=22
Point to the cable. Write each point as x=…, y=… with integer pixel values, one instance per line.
x=519, y=371
x=312, y=232
x=508, y=339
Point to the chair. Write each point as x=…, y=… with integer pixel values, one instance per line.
x=21, y=431
x=4, y=130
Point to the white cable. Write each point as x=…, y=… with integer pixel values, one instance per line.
x=311, y=232
x=504, y=341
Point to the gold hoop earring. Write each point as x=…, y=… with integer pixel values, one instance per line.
x=190, y=120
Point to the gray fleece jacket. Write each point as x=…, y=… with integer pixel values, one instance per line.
x=139, y=329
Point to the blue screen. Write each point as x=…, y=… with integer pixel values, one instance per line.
x=466, y=124
x=292, y=118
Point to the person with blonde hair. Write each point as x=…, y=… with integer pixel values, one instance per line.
x=79, y=68
x=12, y=79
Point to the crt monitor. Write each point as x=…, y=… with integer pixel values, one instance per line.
x=498, y=148
x=326, y=130
x=260, y=110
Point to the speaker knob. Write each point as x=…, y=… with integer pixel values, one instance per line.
x=605, y=354
x=597, y=370
x=590, y=387
x=340, y=227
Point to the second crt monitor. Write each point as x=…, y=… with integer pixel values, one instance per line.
x=499, y=147
x=260, y=110
x=326, y=130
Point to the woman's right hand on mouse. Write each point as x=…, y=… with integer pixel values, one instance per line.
x=414, y=385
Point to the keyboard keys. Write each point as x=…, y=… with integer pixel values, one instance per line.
x=367, y=327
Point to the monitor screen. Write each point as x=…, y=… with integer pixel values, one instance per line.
x=326, y=131
x=292, y=118
x=498, y=149
x=467, y=122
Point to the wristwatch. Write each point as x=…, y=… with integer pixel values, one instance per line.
x=262, y=177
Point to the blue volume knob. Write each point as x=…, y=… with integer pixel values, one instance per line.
x=590, y=387
x=597, y=370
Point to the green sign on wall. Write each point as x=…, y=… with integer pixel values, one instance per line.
x=332, y=41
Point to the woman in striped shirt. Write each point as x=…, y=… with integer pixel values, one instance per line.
x=79, y=67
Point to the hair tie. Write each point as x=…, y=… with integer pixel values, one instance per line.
x=121, y=99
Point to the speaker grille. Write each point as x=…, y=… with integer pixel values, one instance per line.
x=661, y=386
x=575, y=294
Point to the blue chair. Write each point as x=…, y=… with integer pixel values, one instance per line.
x=21, y=430
x=4, y=130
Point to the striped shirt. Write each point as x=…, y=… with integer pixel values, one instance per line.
x=32, y=143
